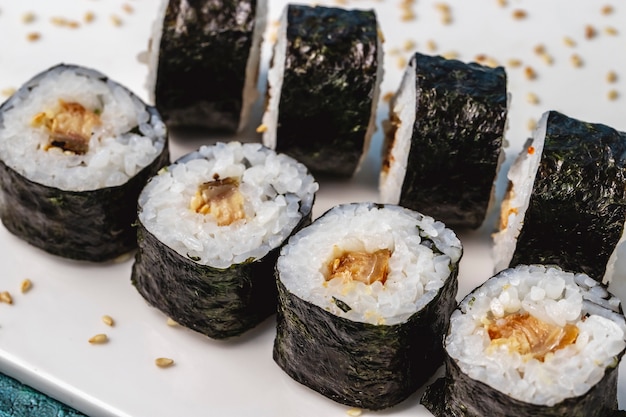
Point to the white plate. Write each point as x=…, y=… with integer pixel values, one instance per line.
x=43, y=335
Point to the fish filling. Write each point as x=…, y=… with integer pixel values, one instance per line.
x=221, y=199
x=360, y=266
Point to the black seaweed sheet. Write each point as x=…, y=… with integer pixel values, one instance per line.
x=219, y=303
x=577, y=207
x=95, y=225
x=361, y=364
x=328, y=87
x=456, y=141
x=203, y=55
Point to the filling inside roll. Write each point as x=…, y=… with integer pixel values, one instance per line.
x=73, y=130
x=228, y=203
x=369, y=264
x=537, y=334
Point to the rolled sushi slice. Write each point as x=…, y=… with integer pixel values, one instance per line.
x=566, y=199
x=76, y=148
x=444, y=144
x=365, y=295
x=204, y=62
x=210, y=227
x=323, y=87
x=533, y=340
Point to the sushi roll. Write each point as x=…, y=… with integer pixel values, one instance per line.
x=532, y=341
x=76, y=148
x=204, y=62
x=444, y=141
x=554, y=211
x=365, y=295
x=323, y=87
x=210, y=228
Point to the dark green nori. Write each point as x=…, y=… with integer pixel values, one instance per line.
x=329, y=81
x=577, y=207
x=94, y=225
x=360, y=364
x=219, y=303
x=458, y=395
x=456, y=140
x=203, y=55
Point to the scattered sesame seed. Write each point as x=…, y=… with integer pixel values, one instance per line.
x=540, y=49
x=9, y=91
x=401, y=62
x=26, y=285
x=514, y=63
x=407, y=15
x=116, y=20
x=590, y=32
x=127, y=8
x=33, y=36
x=108, y=320
x=354, y=412
x=532, y=98
x=431, y=45
x=261, y=128
x=502, y=3
x=611, y=77
x=576, y=60
x=89, y=17
x=394, y=51
x=547, y=58
x=387, y=96
x=28, y=17
x=610, y=30
x=607, y=9
x=446, y=15
x=171, y=322
x=492, y=62
x=164, y=362
x=5, y=297
x=409, y=45
x=480, y=58
x=450, y=55
x=569, y=41
x=531, y=124
x=380, y=34
x=519, y=14
x=530, y=73
x=99, y=339
x=612, y=95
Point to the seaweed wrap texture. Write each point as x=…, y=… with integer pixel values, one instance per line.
x=210, y=228
x=365, y=294
x=532, y=341
x=444, y=142
x=555, y=211
x=76, y=148
x=323, y=87
x=204, y=62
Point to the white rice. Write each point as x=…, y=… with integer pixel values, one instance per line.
x=114, y=154
x=555, y=297
x=276, y=188
x=521, y=177
x=416, y=272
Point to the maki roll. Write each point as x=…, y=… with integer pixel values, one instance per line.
x=204, y=62
x=365, y=294
x=76, y=148
x=210, y=227
x=444, y=144
x=566, y=199
x=323, y=87
x=532, y=341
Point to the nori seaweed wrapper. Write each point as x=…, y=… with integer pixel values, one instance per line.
x=361, y=364
x=457, y=138
x=458, y=395
x=577, y=208
x=95, y=225
x=329, y=83
x=203, y=55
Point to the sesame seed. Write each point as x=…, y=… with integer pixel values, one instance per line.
x=261, y=128
x=532, y=98
x=612, y=95
x=502, y=3
x=9, y=91
x=401, y=62
x=99, y=339
x=116, y=20
x=354, y=412
x=531, y=124
x=540, y=49
x=33, y=36
x=164, y=362
x=128, y=8
x=171, y=322
x=108, y=320
x=530, y=73
x=26, y=285
x=450, y=55
x=547, y=58
x=28, y=17
x=491, y=62
x=607, y=9
x=611, y=76
x=610, y=30
x=431, y=45
x=568, y=41
x=387, y=96
x=89, y=17
x=514, y=63
x=519, y=14
x=590, y=32
x=5, y=297
x=576, y=60
x=409, y=45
